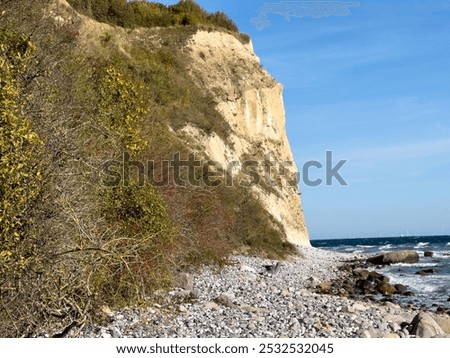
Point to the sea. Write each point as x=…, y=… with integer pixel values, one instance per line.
x=430, y=290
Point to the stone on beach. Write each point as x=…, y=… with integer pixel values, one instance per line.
x=401, y=256
x=184, y=281
x=424, y=326
x=386, y=288
x=288, y=304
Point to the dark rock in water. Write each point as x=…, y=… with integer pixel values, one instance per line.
x=440, y=309
x=377, y=277
x=401, y=289
x=402, y=256
x=426, y=272
x=448, y=299
x=408, y=293
x=386, y=288
x=428, y=254
x=374, y=276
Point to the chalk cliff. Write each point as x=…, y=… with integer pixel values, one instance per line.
x=251, y=101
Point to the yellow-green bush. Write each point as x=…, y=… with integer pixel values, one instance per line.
x=139, y=210
x=19, y=151
x=89, y=244
x=121, y=109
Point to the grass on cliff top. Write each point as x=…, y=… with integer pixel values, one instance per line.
x=133, y=14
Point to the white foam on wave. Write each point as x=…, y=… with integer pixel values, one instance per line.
x=357, y=251
x=418, y=265
x=441, y=254
x=421, y=244
x=388, y=246
x=365, y=246
x=424, y=284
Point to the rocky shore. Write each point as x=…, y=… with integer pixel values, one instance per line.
x=316, y=295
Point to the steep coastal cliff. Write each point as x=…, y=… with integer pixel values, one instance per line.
x=251, y=102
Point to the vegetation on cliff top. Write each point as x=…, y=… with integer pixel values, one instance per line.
x=150, y=14
x=69, y=242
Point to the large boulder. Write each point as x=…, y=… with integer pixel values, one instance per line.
x=386, y=289
x=402, y=256
x=443, y=322
x=424, y=326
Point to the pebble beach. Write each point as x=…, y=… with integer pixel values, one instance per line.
x=244, y=300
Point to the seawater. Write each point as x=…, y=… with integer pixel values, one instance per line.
x=428, y=290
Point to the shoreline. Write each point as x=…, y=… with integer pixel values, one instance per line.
x=243, y=300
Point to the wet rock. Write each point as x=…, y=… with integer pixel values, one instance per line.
x=386, y=288
x=428, y=254
x=425, y=272
x=377, y=277
x=401, y=289
x=402, y=256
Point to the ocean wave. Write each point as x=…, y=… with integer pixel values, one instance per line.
x=422, y=284
x=388, y=246
x=365, y=246
x=418, y=265
x=421, y=244
x=441, y=254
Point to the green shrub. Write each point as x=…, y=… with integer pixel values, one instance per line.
x=139, y=210
x=20, y=176
x=149, y=14
x=121, y=109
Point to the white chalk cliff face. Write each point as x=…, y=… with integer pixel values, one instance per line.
x=251, y=102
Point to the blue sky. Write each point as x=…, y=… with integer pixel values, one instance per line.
x=374, y=88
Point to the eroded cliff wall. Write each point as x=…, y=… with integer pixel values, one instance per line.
x=251, y=101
